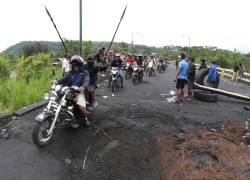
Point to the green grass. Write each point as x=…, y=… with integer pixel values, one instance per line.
x=15, y=94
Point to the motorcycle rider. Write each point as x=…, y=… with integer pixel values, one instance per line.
x=130, y=59
x=78, y=76
x=117, y=62
x=140, y=60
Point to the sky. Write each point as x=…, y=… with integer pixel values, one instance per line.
x=221, y=23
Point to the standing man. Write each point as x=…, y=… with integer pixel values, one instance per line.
x=203, y=64
x=65, y=64
x=212, y=75
x=236, y=72
x=93, y=73
x=242, y=70
x=181, y=77
x=191, y=77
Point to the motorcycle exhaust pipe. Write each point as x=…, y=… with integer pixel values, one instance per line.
x=222, y=92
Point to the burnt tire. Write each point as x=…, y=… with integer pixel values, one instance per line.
x=205, y=96
x=202, y=74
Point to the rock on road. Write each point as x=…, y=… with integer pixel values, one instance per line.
x=132, y=117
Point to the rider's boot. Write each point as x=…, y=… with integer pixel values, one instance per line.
x=87, y=123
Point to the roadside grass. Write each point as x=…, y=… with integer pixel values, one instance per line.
x=15, y=94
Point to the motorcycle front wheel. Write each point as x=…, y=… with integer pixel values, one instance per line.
x=113, y=87
x=134, y=80
x=40, y=134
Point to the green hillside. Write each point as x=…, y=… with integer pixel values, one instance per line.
x=224, y=58
x=18, y=48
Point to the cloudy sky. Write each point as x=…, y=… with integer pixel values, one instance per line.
x=221, y=23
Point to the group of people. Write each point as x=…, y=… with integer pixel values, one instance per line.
x=83, y=74
x=186, y=74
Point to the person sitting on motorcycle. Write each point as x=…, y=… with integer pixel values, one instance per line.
x=78, y=76
x=163, y=63
x=117, y=62
x=140, y=60
x=130, y=59
x=93, y=72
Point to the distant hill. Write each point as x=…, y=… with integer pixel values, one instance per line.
x=17, y=48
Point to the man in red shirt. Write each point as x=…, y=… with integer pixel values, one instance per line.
x=130, y=59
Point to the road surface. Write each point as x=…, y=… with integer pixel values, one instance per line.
x=133, y=117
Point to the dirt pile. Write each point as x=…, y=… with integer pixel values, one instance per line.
x=206, y=155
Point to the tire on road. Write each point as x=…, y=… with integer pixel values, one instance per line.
x=201, y=75
x=35, y=134
x=205, y=96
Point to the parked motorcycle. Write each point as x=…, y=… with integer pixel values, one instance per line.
x=61, y=111
x=137, y=74
x=116, y=79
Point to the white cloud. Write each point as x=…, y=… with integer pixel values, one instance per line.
x=222, y=23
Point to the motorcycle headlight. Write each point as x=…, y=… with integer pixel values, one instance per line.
x=53, y=98
x=63, y=102
x=46, y=96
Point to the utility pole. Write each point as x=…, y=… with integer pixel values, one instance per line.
x=189, y=44
x=132, y=43
x=81, y=45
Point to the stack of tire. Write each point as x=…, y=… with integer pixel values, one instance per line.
x=205, y=95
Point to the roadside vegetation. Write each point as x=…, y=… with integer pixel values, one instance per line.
x=24, y=82
x=25, y=78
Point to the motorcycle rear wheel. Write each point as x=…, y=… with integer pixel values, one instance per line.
x=39, y=135
x=134, y=80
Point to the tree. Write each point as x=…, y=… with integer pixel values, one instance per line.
x=35, y=48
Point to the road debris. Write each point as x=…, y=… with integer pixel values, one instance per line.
x=204, y=155
x=171, y=100
x=172, y=93
x=111, y=145
x=105, y=134
x=164, y=95
x=85, y=159
x=105, y=97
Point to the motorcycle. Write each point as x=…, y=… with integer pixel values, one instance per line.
x=137, y=74
x=161, y=67
x=116, y=79
x=60, y=112
x=128, y=71
x=150, y=69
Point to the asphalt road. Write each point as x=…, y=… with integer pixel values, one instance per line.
x=133, y=117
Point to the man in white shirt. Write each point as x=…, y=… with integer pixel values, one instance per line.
x=65, y=64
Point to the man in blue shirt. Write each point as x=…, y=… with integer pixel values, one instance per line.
x=212, y=75
x=181, y=77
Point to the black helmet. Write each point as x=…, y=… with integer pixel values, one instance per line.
x=76, y=60
x=90, y=57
